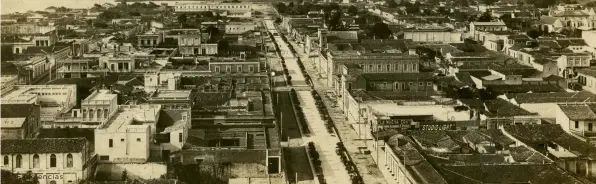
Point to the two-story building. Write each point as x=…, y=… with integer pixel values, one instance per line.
x=239, y=27
x=578, y=119
x=52, y=160
x=80, y=68
x=487, y=26
x=435, y=35
x=117, y=63
x=190, y=42
x=126, y=137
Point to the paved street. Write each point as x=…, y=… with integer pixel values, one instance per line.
x=295, y=154
x=325, y=143
x=366, y=165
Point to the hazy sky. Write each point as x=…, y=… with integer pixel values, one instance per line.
x=11, y=6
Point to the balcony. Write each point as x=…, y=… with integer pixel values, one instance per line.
x=584, y=133
x=82, y=70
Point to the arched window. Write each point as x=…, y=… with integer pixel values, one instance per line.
x=52, y=161
x=69, y=160
x=17, y=50
x=98, y=114
x=74, y=113
x=35, y=161
x=84, y=113
x=91, y=113
x=106, y=112
x=19, y=163
x=52, y=182
x=5, y=160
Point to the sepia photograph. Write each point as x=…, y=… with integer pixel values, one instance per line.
x=298, y=92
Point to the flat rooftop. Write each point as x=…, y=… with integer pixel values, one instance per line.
x=172, y=94
x=101, y=95
x=439, y=112
x=130, y=118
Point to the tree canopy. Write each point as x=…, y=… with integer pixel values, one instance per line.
x=352, y=10
x=27, y=178
x=391, y=4
x=182, y=18
x=381, y=30
x=485, y=17
x=534, y=33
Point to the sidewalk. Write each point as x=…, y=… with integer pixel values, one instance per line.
x=370, y=172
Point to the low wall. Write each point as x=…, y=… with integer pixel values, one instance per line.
x=134, y=171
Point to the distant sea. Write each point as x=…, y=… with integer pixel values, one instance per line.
x=12, y=6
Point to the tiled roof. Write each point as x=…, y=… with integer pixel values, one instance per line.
x=489, y=23
x=557, y=97
x=523, y=88
x=47, y=145
x=571, y=13
x=477, y=158
x=16, y=110
x=548, y=20
x=398, y=76
x=391, y=95
x=525, y=154
x=588, y=71
x=506, y=173
x=342, y=35
x=416, y=164
x=578, y=112
x=190, y=156
x=496, y=107
x=537, y=135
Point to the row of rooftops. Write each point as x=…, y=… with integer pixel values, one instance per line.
x=441, y=156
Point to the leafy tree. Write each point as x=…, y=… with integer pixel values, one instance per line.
x=223, y=47
x=124, y=176
x=485, y=17
x=332, y=20
x=291, y=5
x=381, y=30
x=213, y=32
x=134, y=13
x=463, y=3
x=413, y=8
x=152, y=5
x=100, y=24
x=391, y=3
x=281, y=8
x=426, y=54
x=542, y=3
x=489, y=2
x=109, y=15
x=22, y=19
x=352, y=10
x=182, y=18
x=27, y=178
x=534, y=33
x=97, y=6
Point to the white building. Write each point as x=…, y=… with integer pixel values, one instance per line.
x=487, y=26
x=54, y=99
x=7, y=83
x=210, y=6
x=54, y=161
x=433, y=35
x=126, y=137
x=578, y=119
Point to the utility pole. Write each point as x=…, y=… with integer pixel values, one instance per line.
x=281, y=125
